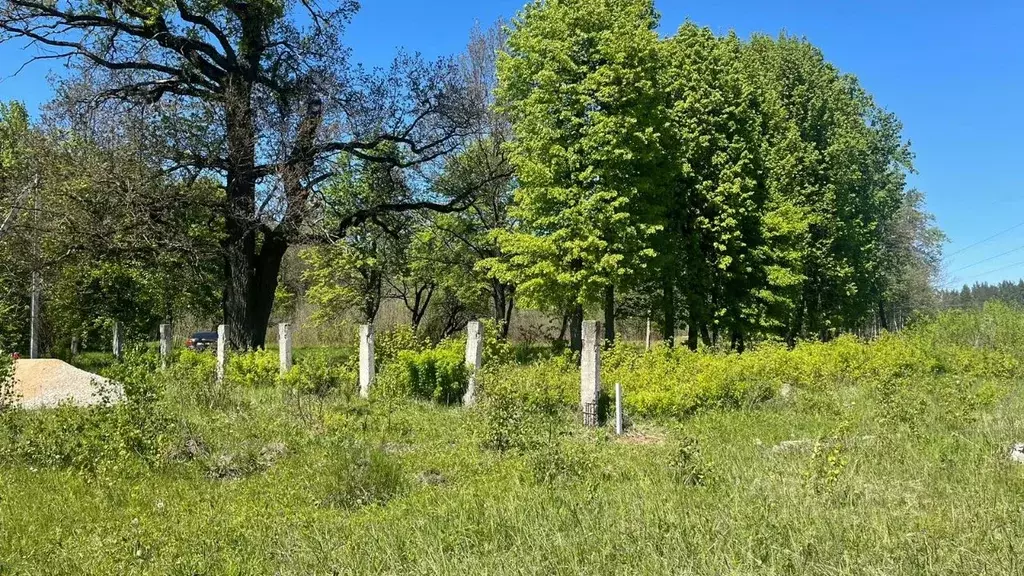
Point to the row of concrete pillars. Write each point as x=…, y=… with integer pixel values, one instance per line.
x=590, y=362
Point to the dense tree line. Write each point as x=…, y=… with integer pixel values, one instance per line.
x=976, y=295
x=571, y=161
x=748, y=188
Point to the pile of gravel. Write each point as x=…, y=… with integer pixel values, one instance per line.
x=46, y=383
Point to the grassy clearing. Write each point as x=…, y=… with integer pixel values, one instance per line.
x=853, y=476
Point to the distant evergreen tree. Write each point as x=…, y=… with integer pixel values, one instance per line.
x=977, y=295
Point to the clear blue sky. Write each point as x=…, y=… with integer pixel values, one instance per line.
x=952, y=71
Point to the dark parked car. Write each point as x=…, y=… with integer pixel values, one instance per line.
x=200, y=341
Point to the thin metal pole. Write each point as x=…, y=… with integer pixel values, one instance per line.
x=34, y=332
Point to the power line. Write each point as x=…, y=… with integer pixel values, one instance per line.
x=1007, y=267
x=1017, y=249
x=979, y=243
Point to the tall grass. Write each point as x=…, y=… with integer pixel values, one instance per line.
x=884, y=458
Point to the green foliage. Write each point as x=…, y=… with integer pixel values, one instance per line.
x=321, y=372
x=748, y=187
x=387, y=346
x=7, y=393
x=133, y=429
x=340, y=278
x=195, y=375
x=672, y=383
x=678, y=382
x=438, y=374
x=258, y=369
x=578, y=83
x=937, y=497
x=525, y=407
x=95, y=362
x=559, y=463
x=825, y=468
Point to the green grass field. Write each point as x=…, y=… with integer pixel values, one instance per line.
x=884, y=479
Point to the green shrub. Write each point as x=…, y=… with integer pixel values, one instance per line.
x=524, y=407
x=437, y=374
x=192, y=380
x=825, y=467
x=7, y=393
x=323, y=371
x=390, y=344
x=547, y=386
x=675, y=383
x=687, y=463
x=242, y=460
x=259, y=369
x=95, y=362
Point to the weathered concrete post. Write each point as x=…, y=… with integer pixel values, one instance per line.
x=618, y=409
x=648, y=339
x=118, y=340
x=284, y=345
x=590, y=372
x=74, y=346
x=367, y=371
x=166, y=345
x=34, y=331
x=222, y=350
x=474, y=358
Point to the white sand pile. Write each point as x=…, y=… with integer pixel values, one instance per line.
x=46, y=383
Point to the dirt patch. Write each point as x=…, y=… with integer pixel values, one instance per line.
x=639, y=438
x=46, y=383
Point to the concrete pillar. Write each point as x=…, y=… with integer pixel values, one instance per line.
x=284, y=345
x=74, y=346
x=367, y=371
x=34, y=326
x=618, y=409
x=647, y=340
x=166, y=345
x=118, y=347
x=590, y=372
x=474, y=358
x=222, y=350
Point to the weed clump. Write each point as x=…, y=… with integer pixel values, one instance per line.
x=559, y=463
x=357, y=476
x=687, y=464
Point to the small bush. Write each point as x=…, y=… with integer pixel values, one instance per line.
x=95, y=362
x=388, y=345
x=243, y=460
x=437, y=374
x=525, y=407
x=321, y=372
x=7, y=393
x=687, y=463
x=192, y=379
x=258, y=369
x=826, y=466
